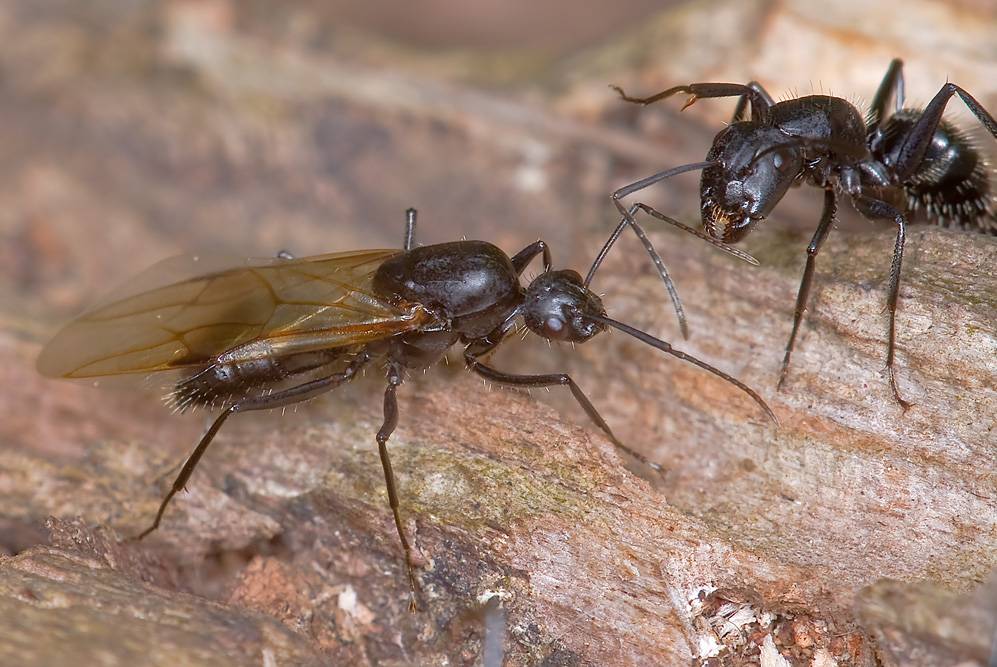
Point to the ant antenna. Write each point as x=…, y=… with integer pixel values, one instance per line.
x=665, y=347
x=628, y=219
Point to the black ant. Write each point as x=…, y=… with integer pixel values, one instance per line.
x=889, y=167
x=280, y=331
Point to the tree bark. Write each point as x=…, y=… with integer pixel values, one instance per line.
x=133, y=131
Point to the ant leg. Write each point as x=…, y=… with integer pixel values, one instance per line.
x=278, y=399
x=526, y=255
x=826, y=220
x=409, y=239
x=760, y=100
x=742, y=103
x=552, y=380
x=880, y=209
x=893, y=82
x=923, y=131
x=387, y=428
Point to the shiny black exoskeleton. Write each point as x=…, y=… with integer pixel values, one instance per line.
x=952, y=186
x=889, y=167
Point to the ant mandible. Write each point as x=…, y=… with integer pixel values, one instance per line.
x=888, y=166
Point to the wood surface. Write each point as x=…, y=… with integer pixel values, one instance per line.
x=134, y=131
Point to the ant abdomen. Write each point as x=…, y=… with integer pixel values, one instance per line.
x=245, y=370
x=951, y=187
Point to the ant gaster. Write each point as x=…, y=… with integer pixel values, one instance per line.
x=889, y=167
x=281, y=331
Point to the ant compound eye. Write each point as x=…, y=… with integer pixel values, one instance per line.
x=554, y=325
x=777, y=161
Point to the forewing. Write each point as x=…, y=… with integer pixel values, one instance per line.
x=309, y=303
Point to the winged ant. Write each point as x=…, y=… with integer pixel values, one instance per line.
x=889, y=166
x=279, y=331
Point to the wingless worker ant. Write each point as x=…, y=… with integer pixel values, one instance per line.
x=280, y=331
x=888, y=166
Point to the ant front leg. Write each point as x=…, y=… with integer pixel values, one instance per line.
x=742, y=103
x=760, y=100
x=471, y=358
x=920, y=135
x=526, y=255
x=826, y=220
x=893, y=83
x=387, y=428
x=876, y=208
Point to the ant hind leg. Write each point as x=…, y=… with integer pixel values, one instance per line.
x=278, y=399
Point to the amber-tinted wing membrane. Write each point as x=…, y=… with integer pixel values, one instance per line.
x=304, y=304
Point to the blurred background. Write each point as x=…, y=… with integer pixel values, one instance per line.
x=133, y=130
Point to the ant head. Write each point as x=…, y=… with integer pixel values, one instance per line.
x=558, y=306
x=756, y=166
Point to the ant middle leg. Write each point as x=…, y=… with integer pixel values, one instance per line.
x=387, y=428
x=278, y=399
x=553, y=380
x=802, y=296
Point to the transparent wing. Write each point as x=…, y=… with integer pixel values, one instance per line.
x=296, y=305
